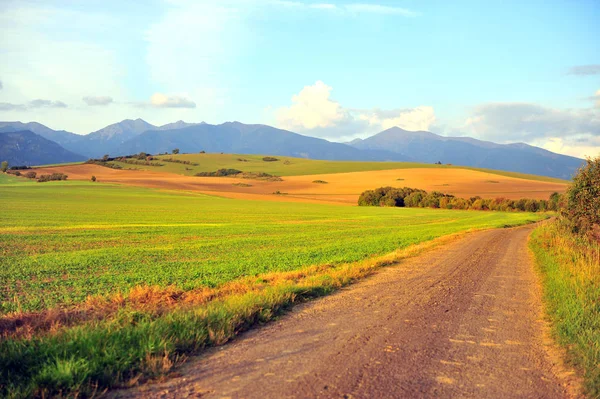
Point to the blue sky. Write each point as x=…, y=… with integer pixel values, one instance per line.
x=498, y=70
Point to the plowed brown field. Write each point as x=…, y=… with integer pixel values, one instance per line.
x=341, y=188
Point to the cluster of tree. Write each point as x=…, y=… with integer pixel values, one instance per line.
x=581, y=204
x=179, y=161
x=415, y=198
x=53, y=176
x=147, y=162
x=136, y=159
x=22, y=167
x=220, y=173
x=17, y=172
x=270, y=159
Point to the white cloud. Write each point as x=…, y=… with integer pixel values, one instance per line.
x=160, y=100
x=1, y=86
x=581, y=147
x=97, y=100
x=314, y=112
x=506, y=122
x=571, y=131
x=312, y=108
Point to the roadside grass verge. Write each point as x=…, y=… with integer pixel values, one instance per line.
x=570, y=269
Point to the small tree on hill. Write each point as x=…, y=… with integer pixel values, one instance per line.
x=4, y=166
x=93, y=178
x=176, y=151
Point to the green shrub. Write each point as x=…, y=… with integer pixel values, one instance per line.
x=220, y=173
x=52, y=177
x=582, y=208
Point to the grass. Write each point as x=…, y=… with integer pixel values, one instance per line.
x=123, y=282
x=570, y=269
x=289, y=166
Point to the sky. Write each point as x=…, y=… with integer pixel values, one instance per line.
x=504, y=71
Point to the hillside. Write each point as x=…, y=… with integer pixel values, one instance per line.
x=429, y=147
x=190, y=164
x=27, y=148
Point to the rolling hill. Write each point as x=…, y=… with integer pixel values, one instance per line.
x=27, y=148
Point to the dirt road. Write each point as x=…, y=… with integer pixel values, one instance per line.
x=463, y=320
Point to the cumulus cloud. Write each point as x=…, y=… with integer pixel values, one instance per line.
x=572, y=131
x=584, y=70
x=312, y=108
x=160, y=100
x=314, y=112
x=97, y=100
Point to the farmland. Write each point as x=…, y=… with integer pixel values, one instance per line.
x=64, y=241
x=290, y=166
x=78, y=246
x=340, y=182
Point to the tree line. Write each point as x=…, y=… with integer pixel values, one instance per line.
x=416, y=198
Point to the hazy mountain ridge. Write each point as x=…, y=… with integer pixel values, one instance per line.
x=21, y=148
x=429, y=147
x=395, y=144
x=236, y=137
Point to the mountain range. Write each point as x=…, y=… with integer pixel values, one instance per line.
x=33, y=144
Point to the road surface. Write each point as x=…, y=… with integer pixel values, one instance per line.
x=462, y=320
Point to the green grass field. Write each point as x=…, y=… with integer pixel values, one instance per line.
x=64, y=241
x=289, y=166
x=61, y=242
x=570, y=269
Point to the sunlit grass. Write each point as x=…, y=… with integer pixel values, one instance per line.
x=570, y=268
